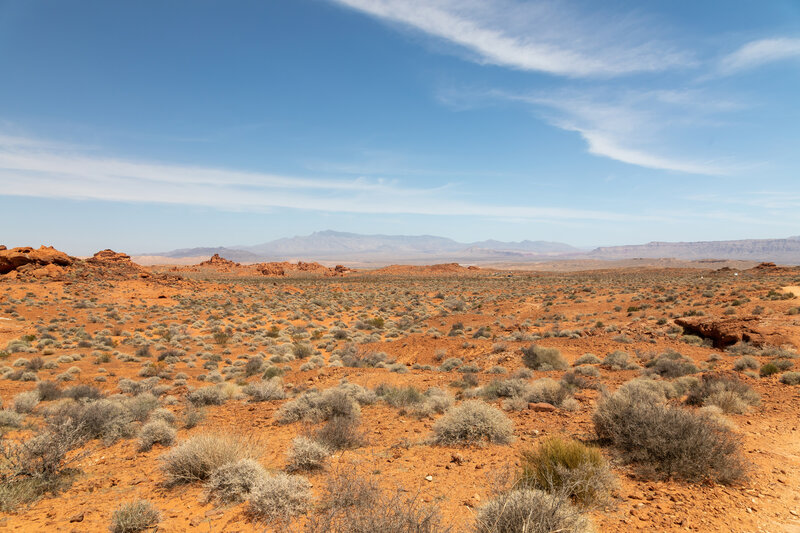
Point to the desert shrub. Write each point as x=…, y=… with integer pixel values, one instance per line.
x=134, y=516
x=472, y=422
x=745, y=362
x=540, y=358
x=38, y=465
x=341, y=433
x=568, y=467
x=155, y=432
x=619, y=360
x=451, y=363
x=530, y=511
x=670, y=365
x=101, y=419
x=10, y=419
x=668, y=441
x=587, y=359
x=768, y=369
x=233, y=482
x=547, y=390
x=195, y=459
x=210, y=395
x=141, y=406
x=301, y=350
x=723, y=391
x=264, y=391
x=306, y=454
x=363, y=359
x=48, y=390
x=507, y=388
x=163, y=414
x=412, y=400
x=316, y=406
x=354, y=503
x=589, y=371
x=649, y=389
x=26, y=402
x=253, y=365
x=192, y=416
x=279, y=497
x=791, y=378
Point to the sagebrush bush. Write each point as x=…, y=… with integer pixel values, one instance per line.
x=745, y=362
x=341, y=433
x=472, y=422
x=540, y=358
x=279, y=497
x=134, y=517
x=568, y=467
x=195, y=459
x=530, y=511
x=306, y=454
x=156, y=432
x=666, y=441
x=314, y=406
x=670, y=365
x=234, y=481
x=10, y=419
x=619, y=360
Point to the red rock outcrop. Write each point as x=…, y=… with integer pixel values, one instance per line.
x=27, y=259
x=217, y=261
x=727, y=331
x=109, y=256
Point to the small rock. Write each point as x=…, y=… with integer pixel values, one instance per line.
x=77, y=518
x=541, y=407
x=428, y=478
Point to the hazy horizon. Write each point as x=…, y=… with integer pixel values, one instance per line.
x=148, y=127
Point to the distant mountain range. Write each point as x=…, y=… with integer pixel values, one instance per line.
x=426, y=249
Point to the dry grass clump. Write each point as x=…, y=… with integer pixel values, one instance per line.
x=10, y=419
x=341, y=433
x=197, y=458
x=306, y=454
x=473, y=422
x=726, y=392
x=134, y=516
x=530, y=511
x=568, y=467
x=279, y=497
x=233, y=482
x=540, y=358
x=666, y=441
x=355, y=503
x=26, y=402
x=156, y=432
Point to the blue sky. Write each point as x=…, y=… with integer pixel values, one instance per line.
x=146, y=126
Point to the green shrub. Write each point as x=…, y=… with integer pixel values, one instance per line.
x=568, y=467
x=768, y=369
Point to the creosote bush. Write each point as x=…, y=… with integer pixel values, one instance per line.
x=134, y=516
x=473, y=422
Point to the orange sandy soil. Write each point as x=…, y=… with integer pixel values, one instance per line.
x=396, y=448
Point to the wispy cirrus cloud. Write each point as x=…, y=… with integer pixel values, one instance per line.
x=760, y=52
x=535, y=36
x=42, y=169
x=629, y=126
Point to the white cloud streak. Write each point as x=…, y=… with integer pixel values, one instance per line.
x=757, y=53
x=533, y=36
x=31, y=168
